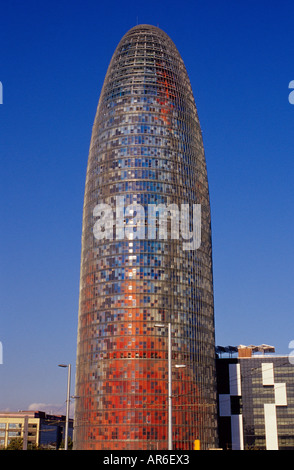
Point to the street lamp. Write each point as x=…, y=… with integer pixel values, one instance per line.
x=67, y=404
x=170, y=430
x=169, y=356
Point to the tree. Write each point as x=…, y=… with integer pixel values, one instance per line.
x=15, y=444
x=69, y=444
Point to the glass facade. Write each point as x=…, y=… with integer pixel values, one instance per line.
x=258, y=394
x=146, y=149
x=259, y=413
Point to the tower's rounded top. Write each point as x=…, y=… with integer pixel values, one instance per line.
x=147, y=28
x=152, y=36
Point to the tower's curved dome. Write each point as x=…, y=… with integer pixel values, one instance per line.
x=146, y=149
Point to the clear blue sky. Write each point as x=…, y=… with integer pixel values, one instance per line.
x=53, y=60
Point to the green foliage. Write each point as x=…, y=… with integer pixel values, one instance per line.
x=69, y=444
x=15, y=444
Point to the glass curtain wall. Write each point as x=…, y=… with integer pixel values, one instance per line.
x=146, y=149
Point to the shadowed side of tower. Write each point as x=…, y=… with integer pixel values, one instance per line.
x=146, y=151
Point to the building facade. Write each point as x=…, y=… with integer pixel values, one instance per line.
x=146, y=260
x=256, y=402
x=35, y=428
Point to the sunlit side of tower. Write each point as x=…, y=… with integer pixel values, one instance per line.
x=147, y=148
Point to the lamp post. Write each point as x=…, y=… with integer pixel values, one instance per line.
x=170, y=413
x=169, y=357
x=67, y=403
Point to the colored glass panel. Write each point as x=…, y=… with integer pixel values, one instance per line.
x=146, y=147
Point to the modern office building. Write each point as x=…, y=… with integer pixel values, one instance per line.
x=146, y=261
x=35, y=428
x=256, y=399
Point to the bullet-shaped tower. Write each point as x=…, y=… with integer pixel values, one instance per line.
x=146, y=262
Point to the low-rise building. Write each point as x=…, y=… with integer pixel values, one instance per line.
x=255, y=399
x=35, y=428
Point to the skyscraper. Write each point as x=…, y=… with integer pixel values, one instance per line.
x=146, y=262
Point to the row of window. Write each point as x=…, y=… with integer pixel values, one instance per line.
x=146, y=121
x=132, y=179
